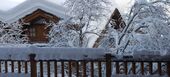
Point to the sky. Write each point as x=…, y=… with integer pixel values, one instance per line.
x=8, y=4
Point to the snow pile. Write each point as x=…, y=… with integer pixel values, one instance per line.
x=50, y=53
x=14, y=75
x=165, y=54
x=25, y=45
x=146, y=54
x=139, y=76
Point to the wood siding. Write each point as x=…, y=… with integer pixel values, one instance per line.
x=37, y=29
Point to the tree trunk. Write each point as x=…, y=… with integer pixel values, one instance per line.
x=81, y=39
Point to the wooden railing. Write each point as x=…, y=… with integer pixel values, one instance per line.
x=83, y=68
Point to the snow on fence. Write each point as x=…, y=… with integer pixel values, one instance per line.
x=75, y=62
x=106, y=67
x=50, y=53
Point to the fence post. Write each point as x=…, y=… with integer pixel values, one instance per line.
x=108, y=65
x=84, y=69
x=117, y=68
x=33, y=66
x=150, y=68
x=168, y=68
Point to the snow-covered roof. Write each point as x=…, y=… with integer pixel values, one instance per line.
x=29, y=6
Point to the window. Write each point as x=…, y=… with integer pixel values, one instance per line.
x=32, y=32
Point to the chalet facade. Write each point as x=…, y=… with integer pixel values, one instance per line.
x=35, y=13
x=37, y=28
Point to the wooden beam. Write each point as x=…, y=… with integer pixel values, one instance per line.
x=40, y=13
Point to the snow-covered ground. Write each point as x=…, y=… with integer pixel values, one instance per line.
x=139, y=76
x=28, y=75
x=14, y=75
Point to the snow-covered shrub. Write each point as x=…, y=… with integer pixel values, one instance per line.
x=151, y=25
x=12, y=33
x=61, y=36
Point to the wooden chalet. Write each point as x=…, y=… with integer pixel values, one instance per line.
x=37, y=28
x=115, y=21
x=36, y=14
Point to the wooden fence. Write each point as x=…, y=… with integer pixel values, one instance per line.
x=83, y=68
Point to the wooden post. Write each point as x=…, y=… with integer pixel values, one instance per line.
x=99, y=69
x=41, y=69
x=12, y=66
x=117, y=68
x=159, y=68
x=92, y=69
x=55, y=69
x=33, y=65
x=125, y=68
x=133, y=67
x=69, y=69
x=77, y=69
x=168, y=68
x=150, y=68
x=48, y=69
x=26, y=67
x=62, y=69
x=19, y=67
x=0, y=67
x=84, y=69
x=6, y=66
x=142, y=68
x=108, y=65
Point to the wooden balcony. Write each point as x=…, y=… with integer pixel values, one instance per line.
x=108, y=66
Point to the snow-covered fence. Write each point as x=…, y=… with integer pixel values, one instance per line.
x=77, y=62
x=103, y=67
x=50, y=53
x=38, y=61
x=146, y=54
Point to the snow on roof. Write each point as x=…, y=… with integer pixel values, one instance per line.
x=29, y=6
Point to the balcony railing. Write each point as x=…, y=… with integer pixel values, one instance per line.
x=103, y=67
